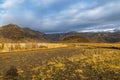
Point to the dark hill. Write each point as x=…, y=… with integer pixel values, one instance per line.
x=13, y=33
x=74, y=39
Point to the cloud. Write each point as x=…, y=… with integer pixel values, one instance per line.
x=47, y=3
x=10, y=4
x=62, y=15
x=80, y=19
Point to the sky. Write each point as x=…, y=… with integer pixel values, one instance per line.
x=51, y=16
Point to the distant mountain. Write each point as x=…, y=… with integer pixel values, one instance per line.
x=13, y=33
x=99, y=37
x=55, y=37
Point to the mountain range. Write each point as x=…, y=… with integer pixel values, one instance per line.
x=14, y=33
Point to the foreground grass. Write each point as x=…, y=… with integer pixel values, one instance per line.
x=71, y=63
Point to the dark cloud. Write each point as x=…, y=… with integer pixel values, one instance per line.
x=62, y=16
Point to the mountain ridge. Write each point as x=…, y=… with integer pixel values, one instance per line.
x=14, y=33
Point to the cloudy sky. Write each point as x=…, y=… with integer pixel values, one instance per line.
x=62, y=15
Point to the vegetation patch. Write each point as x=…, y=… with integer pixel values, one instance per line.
x=68, y=63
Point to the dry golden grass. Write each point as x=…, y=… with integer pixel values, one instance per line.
x=15, y=47
x=90, y=61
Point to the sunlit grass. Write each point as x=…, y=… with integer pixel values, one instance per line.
x=76, y=62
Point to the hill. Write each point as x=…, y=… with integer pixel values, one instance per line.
x=13, y=33
x=75, y=39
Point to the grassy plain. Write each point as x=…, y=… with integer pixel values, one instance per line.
x=85, y=61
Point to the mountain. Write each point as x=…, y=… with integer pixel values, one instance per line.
x=13, y=33
x=99, y=37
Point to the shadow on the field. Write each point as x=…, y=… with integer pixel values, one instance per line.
x=11, y=74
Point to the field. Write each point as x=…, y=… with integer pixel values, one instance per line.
x=90, y=61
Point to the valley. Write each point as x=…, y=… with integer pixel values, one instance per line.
x=26, y=54
x=59, y=39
